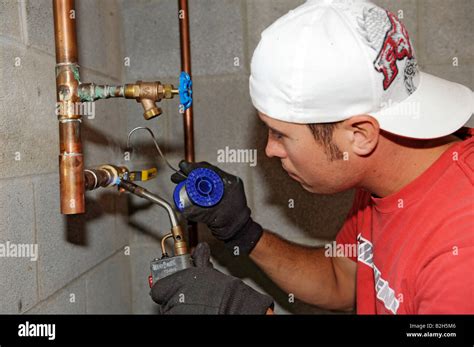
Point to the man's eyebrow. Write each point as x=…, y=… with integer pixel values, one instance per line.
x=273, y=129
x=276, y=130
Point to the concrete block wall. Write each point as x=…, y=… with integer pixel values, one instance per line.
x=81, y=266
x=84, y=256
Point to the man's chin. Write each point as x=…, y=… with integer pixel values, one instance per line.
x=320, y=190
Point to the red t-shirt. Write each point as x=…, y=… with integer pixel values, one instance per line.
x=415, y=248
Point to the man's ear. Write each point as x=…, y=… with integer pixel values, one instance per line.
x=363, y=133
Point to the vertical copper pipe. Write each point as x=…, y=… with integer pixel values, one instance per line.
x=71, y=160
x=186, y=66
x=185, y=44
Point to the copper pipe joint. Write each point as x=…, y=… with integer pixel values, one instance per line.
x=104, y=176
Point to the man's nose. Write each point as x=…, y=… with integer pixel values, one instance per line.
x=273, y=149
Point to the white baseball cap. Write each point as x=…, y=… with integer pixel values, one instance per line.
x=329, y=60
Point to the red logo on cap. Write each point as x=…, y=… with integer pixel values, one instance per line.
x=396, y=46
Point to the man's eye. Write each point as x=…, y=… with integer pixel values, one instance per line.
x=276, y=134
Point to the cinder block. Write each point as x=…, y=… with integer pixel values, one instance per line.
x=9, y=12
x=70, y=245
x=18, y=274
x=151, y=39
x=30, y=140
x=262, y=13
x=224, y=115
x=98, y=25
x=99, y=38
x=446, y=30
x=155, y=52
x=40, y=25
x=69, y=300
x=216, y=37
x=108, y=286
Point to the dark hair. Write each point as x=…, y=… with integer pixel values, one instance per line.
x=323, y=133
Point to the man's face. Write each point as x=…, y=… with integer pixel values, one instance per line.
x=304, y=159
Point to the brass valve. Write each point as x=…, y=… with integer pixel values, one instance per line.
x=148, y=93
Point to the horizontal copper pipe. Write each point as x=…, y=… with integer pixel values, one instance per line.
x=104, y=176
x=71, y=159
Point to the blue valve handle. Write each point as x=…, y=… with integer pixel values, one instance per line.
x=203, y=187
x=185, y=90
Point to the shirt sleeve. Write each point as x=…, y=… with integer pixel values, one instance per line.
x=446, y=284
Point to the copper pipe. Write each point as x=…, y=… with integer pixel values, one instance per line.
x=95, y=178
x=186, y=66
x=71, y=159
x=104, y=176
x=185, y=44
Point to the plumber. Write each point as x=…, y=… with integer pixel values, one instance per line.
x=346, y=106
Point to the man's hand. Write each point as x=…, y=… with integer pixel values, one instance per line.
x=230, y=220
x=204, y=290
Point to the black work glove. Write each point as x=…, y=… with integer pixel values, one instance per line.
x=229, y=220
x=204, y=290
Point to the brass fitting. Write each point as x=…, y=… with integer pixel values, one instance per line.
x=148, y=93
x=180, y=246
x=104, y=176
